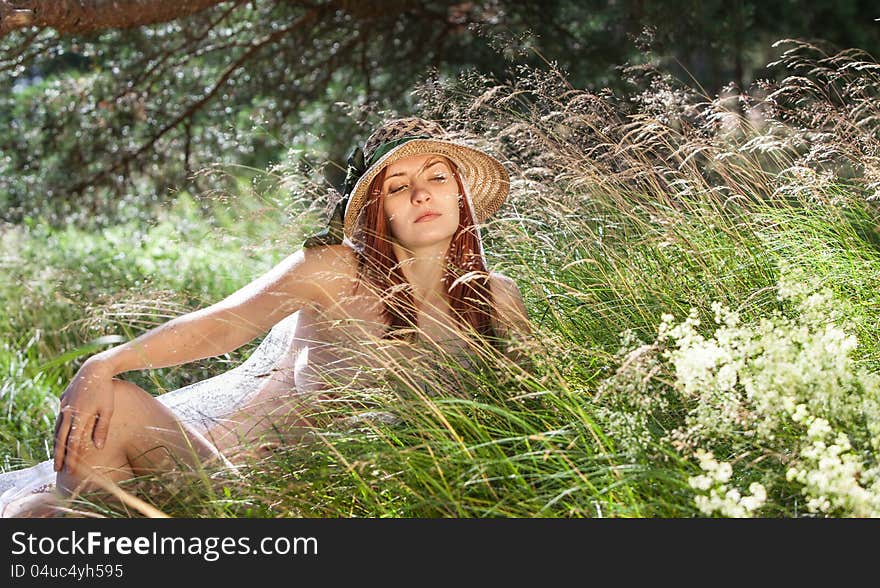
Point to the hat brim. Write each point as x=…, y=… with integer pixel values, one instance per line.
x=487, y=181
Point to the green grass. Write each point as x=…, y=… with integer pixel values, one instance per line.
x=546, y=455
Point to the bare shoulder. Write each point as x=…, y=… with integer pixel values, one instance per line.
x=331, y=268
x=330, y=258
x=505, y=289
x=509, y=302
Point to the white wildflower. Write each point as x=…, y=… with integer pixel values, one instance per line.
x=778, y=388
x=714, y=495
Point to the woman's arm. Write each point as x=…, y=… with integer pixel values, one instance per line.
x=87, y=403
x=228, y=324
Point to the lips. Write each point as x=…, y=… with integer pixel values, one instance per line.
x=427, y=217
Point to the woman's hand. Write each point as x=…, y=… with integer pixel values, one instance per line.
x=86, y=409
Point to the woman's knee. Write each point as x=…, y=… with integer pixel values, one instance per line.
x=131, y=410
x=110, y=460
x=129, y=398
x=128, y=429
x=155, y=439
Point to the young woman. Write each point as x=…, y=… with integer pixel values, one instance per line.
x=400, y=266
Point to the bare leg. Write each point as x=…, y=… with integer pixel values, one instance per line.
x=145, y=437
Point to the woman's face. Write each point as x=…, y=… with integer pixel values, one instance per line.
x=420, y=200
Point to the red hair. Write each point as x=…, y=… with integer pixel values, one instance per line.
x=465, y=275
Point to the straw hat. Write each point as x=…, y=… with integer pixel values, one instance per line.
x=486, y=180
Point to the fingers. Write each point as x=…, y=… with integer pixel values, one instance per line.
x=58, y=422
x=69, y=443
x=102, y=428
x=76, y=440
x=88, y=430
x=60, y=439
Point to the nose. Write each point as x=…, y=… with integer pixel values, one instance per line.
x=420, y=192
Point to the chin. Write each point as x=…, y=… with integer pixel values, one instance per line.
x=429, y=238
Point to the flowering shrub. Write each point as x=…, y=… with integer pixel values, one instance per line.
x=783, y=398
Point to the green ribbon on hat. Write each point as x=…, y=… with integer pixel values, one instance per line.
x=356, y=167
x=333, y=234
x=384, y=148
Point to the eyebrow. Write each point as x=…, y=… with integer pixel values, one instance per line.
x=429, y=163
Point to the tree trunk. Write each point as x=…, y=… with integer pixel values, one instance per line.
x=81, y=16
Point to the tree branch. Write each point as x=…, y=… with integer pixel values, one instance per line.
x=84, y=16
x=305, y=20
x=156, y=63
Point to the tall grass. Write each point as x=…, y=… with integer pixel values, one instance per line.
x=701, y=274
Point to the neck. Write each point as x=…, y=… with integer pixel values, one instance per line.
x=423, y=268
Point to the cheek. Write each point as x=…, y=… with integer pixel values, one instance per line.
x=456, y=218
x=454, y=208
x=392, y=217
x=388, y=209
